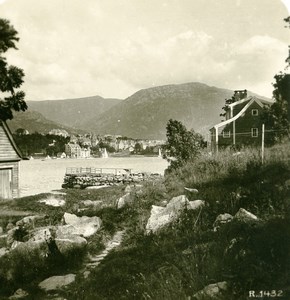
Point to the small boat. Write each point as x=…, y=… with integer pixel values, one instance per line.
x=159, y=153
x=104, y=153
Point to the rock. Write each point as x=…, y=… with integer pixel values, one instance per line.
x=196, y=204
x=245, y=216
x=30, y=222
x=191, y=190
x=11, y=236
x=56, y=202
x=42, y=234
x=9, y=226
x=3, y=251
x=158, y=219
x=1, y=230
x=222, y=219
x=70, y=243
x=214, y=291
x=19, y=294
x=57, y=282
x=15, y=244
x=161, y=216
x=128, y=189
x=86, y=274
x=24, y=256
x=126, y=199
x=96, y=187
x=97, y=203
x=85, y=226
x=177, y=203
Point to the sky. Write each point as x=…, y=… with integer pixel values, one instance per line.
x=113, y=48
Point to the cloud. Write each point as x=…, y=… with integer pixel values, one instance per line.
x=113, y=48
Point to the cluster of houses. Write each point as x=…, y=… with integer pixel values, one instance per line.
x=80, y=146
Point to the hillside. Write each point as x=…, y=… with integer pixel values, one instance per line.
x=73, y=112
x=35, y=122
x=145, y=113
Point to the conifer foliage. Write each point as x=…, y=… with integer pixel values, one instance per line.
x=11, y=77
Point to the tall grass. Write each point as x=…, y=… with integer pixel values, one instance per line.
x=189, y=254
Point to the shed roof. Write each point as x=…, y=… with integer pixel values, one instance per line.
x=8, y=148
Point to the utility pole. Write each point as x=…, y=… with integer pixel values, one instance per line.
x=263, y=142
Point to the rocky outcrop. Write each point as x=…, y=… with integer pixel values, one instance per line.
x=161, y=216
x=216, y=291
x=57, y=282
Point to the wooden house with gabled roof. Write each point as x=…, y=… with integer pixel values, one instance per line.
x=10, y=156
x=243, y=124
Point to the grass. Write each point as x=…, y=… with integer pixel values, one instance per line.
x=28, y=267
x=188, y=254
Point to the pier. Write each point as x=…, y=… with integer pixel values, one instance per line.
x=85, y=177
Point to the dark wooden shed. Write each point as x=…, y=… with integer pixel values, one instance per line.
x=10, y=156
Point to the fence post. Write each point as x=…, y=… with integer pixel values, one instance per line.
x=263, y=142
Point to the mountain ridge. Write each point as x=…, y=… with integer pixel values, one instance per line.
x=143, y=114
x=146, y=113
x=72, y=112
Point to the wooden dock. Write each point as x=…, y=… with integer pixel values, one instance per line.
x=91, y=171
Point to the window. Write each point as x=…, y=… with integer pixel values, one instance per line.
x=226, y=134
x=254, y=132
x=255, y=112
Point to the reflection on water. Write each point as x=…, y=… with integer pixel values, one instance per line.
x=40, y=176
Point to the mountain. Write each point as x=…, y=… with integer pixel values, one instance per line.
x=73, y=112
x=145, y=113
x=35, y=122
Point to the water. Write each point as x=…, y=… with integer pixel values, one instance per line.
x=42, y=176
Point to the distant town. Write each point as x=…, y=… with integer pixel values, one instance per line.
x=58, y=143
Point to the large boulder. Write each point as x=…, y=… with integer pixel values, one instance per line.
x=85, y=226
x=215, y=291
x=161, y=216
x=57, y=282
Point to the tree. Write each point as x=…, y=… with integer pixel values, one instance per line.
x=181, y=145
x=277, y=117
x=11, y=77
x=238, y=95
